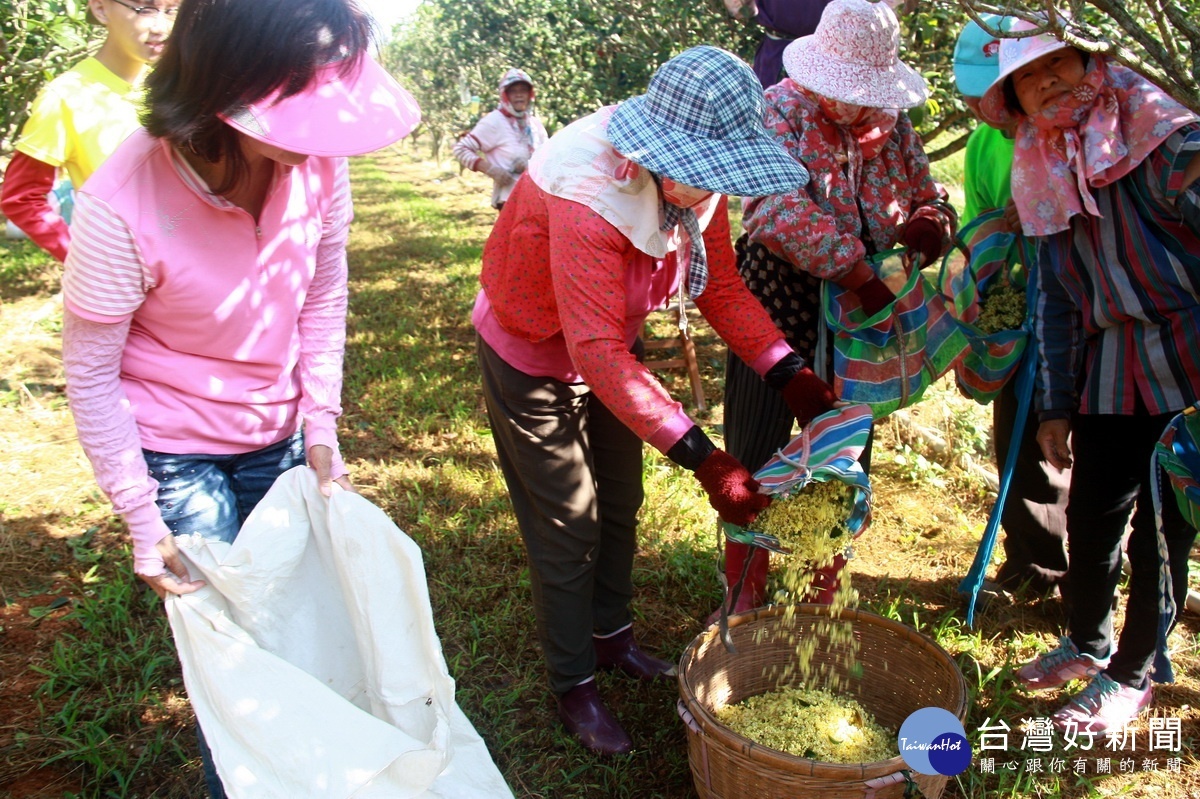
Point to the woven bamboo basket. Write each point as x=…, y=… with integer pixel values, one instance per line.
x=902, y=671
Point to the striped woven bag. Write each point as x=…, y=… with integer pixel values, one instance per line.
x=992, y=358
x=1178, y=454
x=827, y=449
x=888, y=360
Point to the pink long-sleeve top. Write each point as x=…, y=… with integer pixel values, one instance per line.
x=192, y=327
x=565, y=295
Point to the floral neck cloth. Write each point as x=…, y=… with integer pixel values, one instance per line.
x=863, y=130
x=1090, y=137
x=519, y=117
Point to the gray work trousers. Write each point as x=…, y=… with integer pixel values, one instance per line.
x=574, y=475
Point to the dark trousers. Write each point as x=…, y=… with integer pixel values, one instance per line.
x=1035, y=513
x=1110, y=478
x=574, y=475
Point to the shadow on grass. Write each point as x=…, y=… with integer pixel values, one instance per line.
x=26, y=271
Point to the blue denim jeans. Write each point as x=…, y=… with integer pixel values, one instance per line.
x=212, y=495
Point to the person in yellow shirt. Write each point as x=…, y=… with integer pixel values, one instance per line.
x=81, y=116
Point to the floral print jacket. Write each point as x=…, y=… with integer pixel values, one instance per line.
x=820, y=228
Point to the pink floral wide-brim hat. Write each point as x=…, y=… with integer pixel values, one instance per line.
x=854, y=56
x=1014, y=54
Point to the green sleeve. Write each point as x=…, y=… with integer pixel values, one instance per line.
x=987, y=172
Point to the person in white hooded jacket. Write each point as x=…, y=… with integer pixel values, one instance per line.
x=501, y=143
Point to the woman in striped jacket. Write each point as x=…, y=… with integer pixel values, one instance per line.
x=1105, y=175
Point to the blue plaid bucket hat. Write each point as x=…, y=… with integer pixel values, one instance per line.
x=700, y=123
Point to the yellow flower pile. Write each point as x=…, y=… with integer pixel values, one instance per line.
x=811, y=723
x=1002, y=307
x=811, y=522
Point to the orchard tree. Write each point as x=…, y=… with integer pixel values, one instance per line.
x=582, y=54
x=424, y=55
x=586, y=53
x=38, y=40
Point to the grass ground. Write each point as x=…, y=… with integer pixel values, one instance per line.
x=91, y=700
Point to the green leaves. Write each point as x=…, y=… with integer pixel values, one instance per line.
x=582, y=54
x=38, y=40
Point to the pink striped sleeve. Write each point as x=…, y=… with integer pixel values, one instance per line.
x=108, y=431
x=104, y=279
x=466, y=150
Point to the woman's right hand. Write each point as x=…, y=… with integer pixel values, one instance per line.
x=732, y=490
x=1052, y=437
x=1012, y=219
x=175, y=579
x=808, y=396
x=741, y=9
x=923, y=236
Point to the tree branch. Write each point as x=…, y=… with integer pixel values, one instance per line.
x=949, y=149
x=949, y=121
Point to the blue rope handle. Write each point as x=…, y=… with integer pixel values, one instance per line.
x=971, y=584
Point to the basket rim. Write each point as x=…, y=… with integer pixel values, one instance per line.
x=782, y=760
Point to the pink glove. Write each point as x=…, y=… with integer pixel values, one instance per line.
x=499, y=174
x=808, y=395
x=732, y=491
x=925, y=236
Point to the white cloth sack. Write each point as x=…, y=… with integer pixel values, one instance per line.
x=312, y=661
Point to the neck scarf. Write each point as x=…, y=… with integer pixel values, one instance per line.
x=1090, y=137
x=693, y=260
x=580, y=164
x=520, y=118
x=863, y=130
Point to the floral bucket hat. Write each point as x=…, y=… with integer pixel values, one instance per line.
x=854, y=57
x=700, y=123
x=515, y=75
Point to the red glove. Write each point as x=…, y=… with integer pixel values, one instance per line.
x=873, y=294
x=808, y=395
x=732, y=491
x=925, y=236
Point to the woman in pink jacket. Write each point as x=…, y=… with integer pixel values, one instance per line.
x=205, y=288
x=618, y=213
x=501, y=144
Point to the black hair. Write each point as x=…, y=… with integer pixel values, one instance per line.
x=223, y=55
x=1010, y=93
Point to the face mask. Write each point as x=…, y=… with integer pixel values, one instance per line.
x=681, y=194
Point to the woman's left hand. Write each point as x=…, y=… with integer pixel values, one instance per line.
x=320, y=458
x=924, y=236
x=1052, y=438
x=1011, y=218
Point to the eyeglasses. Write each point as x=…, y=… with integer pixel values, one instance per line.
x=150, y=11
